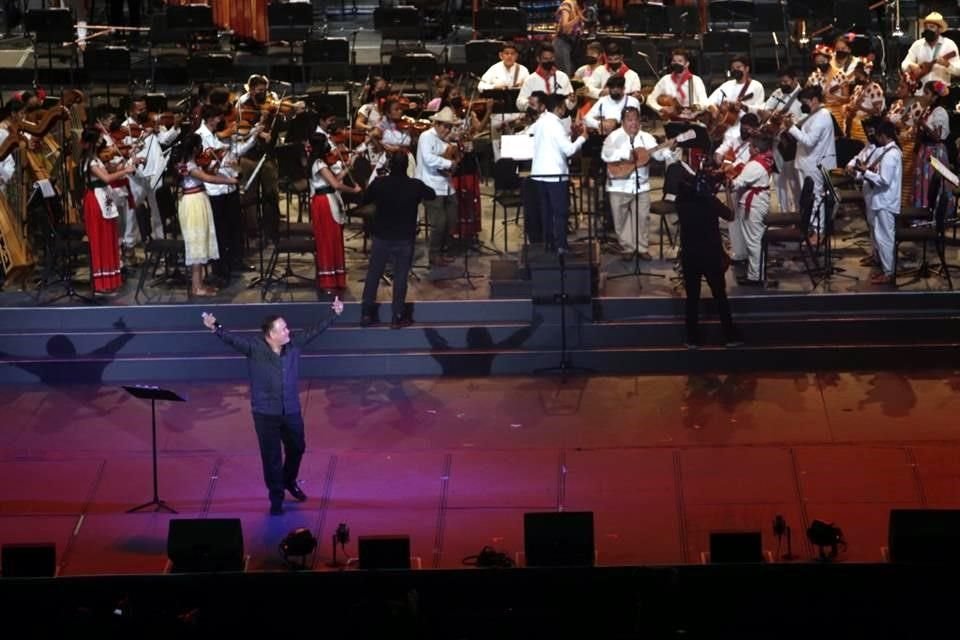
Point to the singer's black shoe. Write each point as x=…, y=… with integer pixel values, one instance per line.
x=296, y=492
x=276, y=509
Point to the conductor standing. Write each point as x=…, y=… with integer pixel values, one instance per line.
x=273, y=364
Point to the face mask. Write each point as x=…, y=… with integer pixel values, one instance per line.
x=547, y=65
x=842, y=55
x=532, y=112
x=616, y=97
x=591, y=60
x=805, y=107
x=823, y=67
x=259, y=98
x=614, y=66
x=456, y=103
x=872, y=139
x=737, y=75
x=746, y=134
x=929, y=35
x=785, y=89
x=676, y=67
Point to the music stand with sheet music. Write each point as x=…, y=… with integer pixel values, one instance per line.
x=830, y=201
x=145, y=392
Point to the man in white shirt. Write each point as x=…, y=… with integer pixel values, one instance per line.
x=784, y=101
x=630, y=195
x=740, y=88
x=434, y=170
x=547, y=78
x=224, y=199
x=551, y=149
x=506, y=74
x=596, y=85
x=143, y=182
x=604, y=115
x=735, y=148
x=934, y=56
x=816, y=147
x=882, y=174
x=680, y=85
x=752, y=193
x=595, y=61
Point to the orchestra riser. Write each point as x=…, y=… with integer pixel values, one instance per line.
x=478, y=338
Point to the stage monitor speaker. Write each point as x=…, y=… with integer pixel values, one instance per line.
x=558, y=539
x=736, y=547
x=384, y=552
x=502, y=22
x=924, y=536
x=33, y=560
x=50, y=26
x=646, y=18
x=202, y=545
x=290, y=21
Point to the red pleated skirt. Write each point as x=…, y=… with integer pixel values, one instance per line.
x=328, y=234
x=104, y=237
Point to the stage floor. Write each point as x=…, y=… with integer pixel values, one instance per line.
x=660, y=460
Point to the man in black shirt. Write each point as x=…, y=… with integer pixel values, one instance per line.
x=273, y=365
x=394, y=229
x=702, y=252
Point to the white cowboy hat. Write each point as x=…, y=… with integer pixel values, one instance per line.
x=446, y=116
x=937, y=19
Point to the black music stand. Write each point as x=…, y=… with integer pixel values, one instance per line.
x=504, y=100
x=109, y=65
x=50, y=27
x=724, y=44
x=187, y=23
x=331, y=56
x=502, y=22
x=153, y=394
x=409, y=66
x=290, y=22
x=649, y=17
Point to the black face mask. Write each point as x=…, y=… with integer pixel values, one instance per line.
x=676, y=67
x=872, y=139
x=591, y=60
x=547, y=65
x=456, y=103
x=532, y=112
x=737, y=75
x=805, y=107
x=786, y=89
x=221, y=125
x=616, y=97
x=842, y=55
x=259, y=98
x=823, y=67
x=614, y=66
x=745, y=135
x=929, y=35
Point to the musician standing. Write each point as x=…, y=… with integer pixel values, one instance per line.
x=547, y=78
x=570, y=19
x=881, y=194
x=389, y=138
x=8, y=166
x=105, y=124
x=816, y=147
x=752, y=188
x=933, y=129
x=615, y=66
x=264, y=191
x=934, y=54
x=551, y=149
x=904, y=113
x=142, y=183
x=435, y=164
x=784, y=102
x=740, y=89
x=633, y=189
x=735, y=148
x=326, y=214
x=595, y=60
x=604, y=115
x=506, y=74
x=867, y=100
x=680, y=85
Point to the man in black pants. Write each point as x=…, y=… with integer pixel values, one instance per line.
x=702, y=252
x=394, y=229
x=273, y=365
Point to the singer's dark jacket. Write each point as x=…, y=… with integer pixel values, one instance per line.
x=273, y=378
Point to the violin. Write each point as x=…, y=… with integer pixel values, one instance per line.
x=209, y=159
x=349, y=137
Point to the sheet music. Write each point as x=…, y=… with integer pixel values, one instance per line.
x=944, y=171
x=517, y=147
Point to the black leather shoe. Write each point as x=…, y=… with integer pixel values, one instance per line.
x=400, y=322
x=296, y=492
x=276, y=509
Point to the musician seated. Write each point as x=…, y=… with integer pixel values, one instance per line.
x=615, y=66
x=506, y=74
x=680, y=92
x=604, y=115
x=934, y=56
x=369, y=114
x=595, y=60
x=740, y=89
x=734, y=151
x=547, y=78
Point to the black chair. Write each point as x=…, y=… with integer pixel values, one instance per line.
x=481, y=54
x=506, y=194
x=925, y=233
x=798, y=232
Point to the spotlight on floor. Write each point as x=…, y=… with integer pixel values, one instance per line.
x=299, y=543
x=825, y=535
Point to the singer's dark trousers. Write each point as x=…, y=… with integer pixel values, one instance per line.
x=695, y=269
x=554, y=201
x=531, y=212
x=282, y=444
x=227, y=219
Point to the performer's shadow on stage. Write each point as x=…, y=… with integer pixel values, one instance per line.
x=480, y=349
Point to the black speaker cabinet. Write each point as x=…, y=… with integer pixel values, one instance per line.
x=735, y=546
x=195, y=545
x=558, y=539
x=924, y=535
x=33, y=560
x=384, y=552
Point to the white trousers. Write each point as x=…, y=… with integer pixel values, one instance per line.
x=816, y=221
x=752, y=226
x=788, y=188
x=628, y=222
x=882, y=227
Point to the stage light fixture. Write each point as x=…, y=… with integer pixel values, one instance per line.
x=825, y=535
x=298, y=543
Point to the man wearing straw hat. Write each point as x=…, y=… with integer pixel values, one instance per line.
x=933, y=56
x=435, y=164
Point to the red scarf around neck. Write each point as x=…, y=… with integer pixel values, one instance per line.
x=546, y=78
x=681, y=81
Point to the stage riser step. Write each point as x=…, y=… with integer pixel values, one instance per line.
x=381, y=339
x=636, y=361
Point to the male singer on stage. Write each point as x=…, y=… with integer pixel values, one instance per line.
x=680, y=85
x=273, y=365
x=934, y=56
x=551, y=149
x=785, y=101
x=506, y=74
x=547, y=78
x=816, y=147
x=752, y=189
x=740, y=88
x=604, y=115
x=631, y=222
x=434, y=169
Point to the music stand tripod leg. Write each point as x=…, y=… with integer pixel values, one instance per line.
x=636, y=238
x=565, y=367
x=156, y=502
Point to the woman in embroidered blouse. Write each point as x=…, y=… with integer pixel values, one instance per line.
x=933, y=128
x=196, y=215
x=326, y=213
x=904, y=114
x=100, y=214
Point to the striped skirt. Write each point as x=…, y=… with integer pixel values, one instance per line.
x=924, y=172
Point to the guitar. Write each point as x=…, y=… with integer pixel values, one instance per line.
x=641, y=156
x=727, y=116
x=925, y=67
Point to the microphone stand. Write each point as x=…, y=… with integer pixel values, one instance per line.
x=636, y=233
